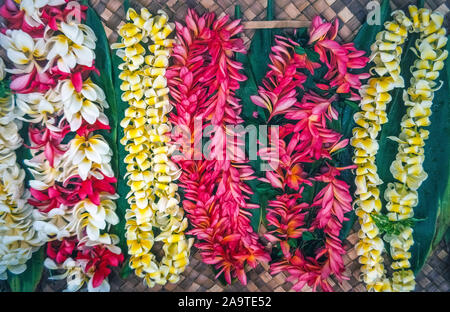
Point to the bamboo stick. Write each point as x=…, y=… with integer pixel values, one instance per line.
x=275, y=24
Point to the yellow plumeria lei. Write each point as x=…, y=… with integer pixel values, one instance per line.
x=401, y=196
x=153, y=199
x=18, y=238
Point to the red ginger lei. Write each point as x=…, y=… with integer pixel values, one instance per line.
x=306, y=139
x=202, y=82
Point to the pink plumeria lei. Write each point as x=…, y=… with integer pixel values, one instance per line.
x=73, y=183
x=203, y=81
x=306, y=145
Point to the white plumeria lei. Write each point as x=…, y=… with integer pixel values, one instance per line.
x=18, y=238
x=407, y=168
x=71, y=45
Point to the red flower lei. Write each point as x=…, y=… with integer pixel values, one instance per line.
x=203, y=81
x=304, y=140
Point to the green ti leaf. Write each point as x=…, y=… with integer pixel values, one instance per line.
x=389, y=227
x=107, y=81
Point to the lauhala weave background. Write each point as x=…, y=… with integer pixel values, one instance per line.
x=435, y=275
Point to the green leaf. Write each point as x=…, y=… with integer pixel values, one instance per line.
x=367, y=33
x=443, y=219
x=28, y=280
x=389, y=227
x=308, y=236
x=107, y=81
x=122, y=188
x=126, y=6
x=260, y=47
x=447, y=237
x=312, y=55
x=126, y=270
x=300, y=50
x=352, y=104
x=293, y=243
x=259, y=52
x=237, y=11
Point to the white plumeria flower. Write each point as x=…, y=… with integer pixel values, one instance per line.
x=73, y=273
x=18, y=238
x=93, y=218
x=84, y=152
x=53, y=224
x=10, y=139
x=9, y=112
x=75, y=46
x=13, y=181
x=22, y=50
x=37, y=106
x=42, y=171
x=88, y=104
x=97, y=171
x=32, y=8
x=104, y=286
x=107, y=240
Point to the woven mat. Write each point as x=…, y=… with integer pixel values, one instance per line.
x=198, y=276
x=434, y=277
x=351, y=13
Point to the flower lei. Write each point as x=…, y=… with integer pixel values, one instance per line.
x=18, y=238
x=53, y=56
x=308, y=233
x=407, y=169
x=153, y=199
x=202, y=81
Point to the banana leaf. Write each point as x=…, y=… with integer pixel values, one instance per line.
x=434, y=194
x=443, y=220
